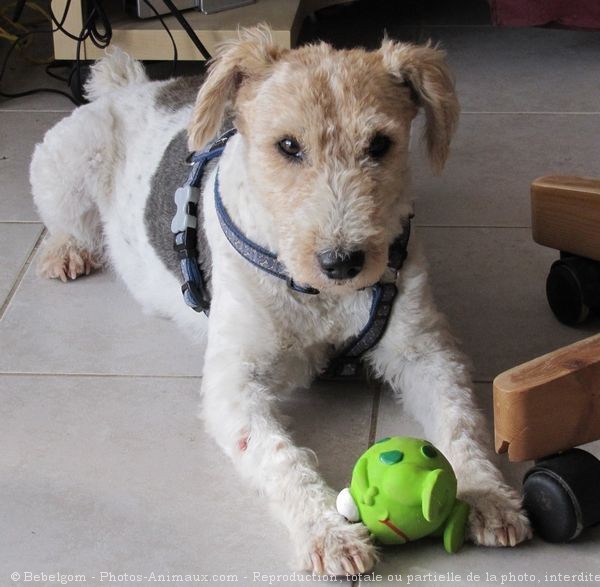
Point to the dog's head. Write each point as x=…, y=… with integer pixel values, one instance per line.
x=326, y=136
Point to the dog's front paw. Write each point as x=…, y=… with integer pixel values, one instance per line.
x=335, y=547
x=497, y=517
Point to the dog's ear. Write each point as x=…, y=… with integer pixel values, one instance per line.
x=422, y=69
x=249, y=57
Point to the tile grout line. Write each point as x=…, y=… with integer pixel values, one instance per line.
x=21, y=222
x=374, y=414
x=374, y=409
x=508, y=226
x=372, y=432
x=532, y=112
x=21, y=273
x=97, y=375
x=35, y=111
x=481, y=25
x=470, y=226
x=467, y=112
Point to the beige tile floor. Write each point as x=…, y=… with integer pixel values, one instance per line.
x=103, y=464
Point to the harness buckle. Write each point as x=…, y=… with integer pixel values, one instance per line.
x=222, y=140
x=390, y=275
x=193, y=297
x=341, y=368
x=300, y=288
x=186, y=200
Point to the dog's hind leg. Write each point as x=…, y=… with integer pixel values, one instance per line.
x=73, y=169
x=67, y=171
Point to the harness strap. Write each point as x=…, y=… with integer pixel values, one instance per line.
x=255, y=254
x=185, y=228
x=195, y=292
x=346, y=361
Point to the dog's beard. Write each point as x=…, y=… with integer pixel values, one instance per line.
x=374, y=271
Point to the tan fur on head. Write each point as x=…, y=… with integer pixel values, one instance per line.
x=337, y=196
x=425, y=70
x=247, y=58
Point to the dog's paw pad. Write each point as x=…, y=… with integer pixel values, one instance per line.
x=497, y=518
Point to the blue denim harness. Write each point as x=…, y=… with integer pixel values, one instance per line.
x=184, y=226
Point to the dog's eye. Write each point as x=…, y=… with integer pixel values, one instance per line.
x=290, y=147
x=379, y=146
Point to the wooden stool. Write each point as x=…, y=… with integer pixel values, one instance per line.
x=546, y=407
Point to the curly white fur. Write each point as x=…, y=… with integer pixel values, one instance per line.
x=116, y=71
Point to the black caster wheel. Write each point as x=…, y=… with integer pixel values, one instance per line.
x=573, y=288
x=560, y=494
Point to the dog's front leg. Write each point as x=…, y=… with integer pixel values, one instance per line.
x=419, y=359
x=239, y=392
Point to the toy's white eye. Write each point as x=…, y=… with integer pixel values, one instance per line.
x=391, y=457
x=345, y=505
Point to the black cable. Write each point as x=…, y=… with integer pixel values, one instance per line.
x=14, y=46
x=164, y=25
x=57, y=65
x=99, y=39
x=59, y=25
x=35, y=90
x=75, y=82
x=187, y=28
x=90, y=30
x=19, y=5
x=98, y=30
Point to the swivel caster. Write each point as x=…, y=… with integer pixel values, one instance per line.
x=573, y=288
x=560, y=494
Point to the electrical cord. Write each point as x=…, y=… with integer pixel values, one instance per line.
x=187, y=28
x=164, y=25
x=19, y=6
x=57, y=65
x=97, y=29
x=6, y=94
x=21, y=39
x=99, y=38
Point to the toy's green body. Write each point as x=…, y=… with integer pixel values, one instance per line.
x=405, y=489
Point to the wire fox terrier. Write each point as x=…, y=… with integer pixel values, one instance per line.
x=317, y=172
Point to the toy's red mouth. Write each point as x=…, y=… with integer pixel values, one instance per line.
x=395, y=529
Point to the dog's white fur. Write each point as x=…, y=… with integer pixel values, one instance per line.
x=91, y=179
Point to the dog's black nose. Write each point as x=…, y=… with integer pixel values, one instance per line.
x=341, y=264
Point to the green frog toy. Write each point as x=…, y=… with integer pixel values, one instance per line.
x=403, y=489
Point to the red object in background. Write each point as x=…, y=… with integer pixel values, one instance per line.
x=570, y=13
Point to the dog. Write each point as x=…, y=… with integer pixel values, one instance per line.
x=317, y=173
